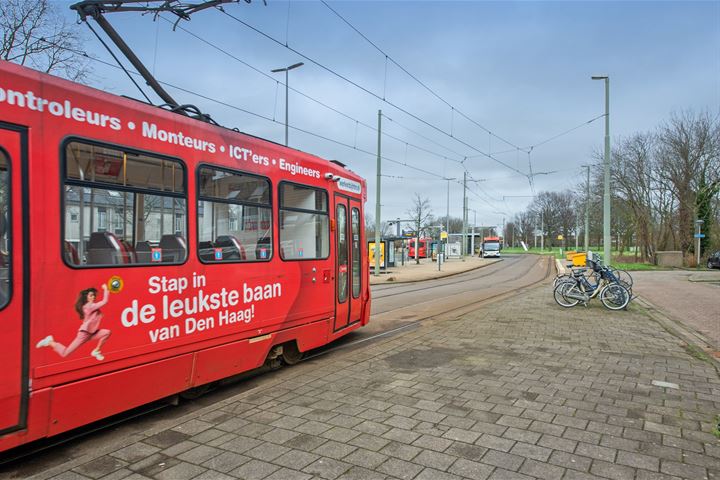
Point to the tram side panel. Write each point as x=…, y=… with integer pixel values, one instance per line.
x=167, y=328
x=161, y=327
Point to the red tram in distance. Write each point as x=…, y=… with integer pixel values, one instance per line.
x=144, y=253
x=424, y=247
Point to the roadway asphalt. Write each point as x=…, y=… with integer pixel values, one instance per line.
x=520, y=388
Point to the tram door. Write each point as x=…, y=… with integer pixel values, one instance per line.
x=13, y=265
x=347, y=261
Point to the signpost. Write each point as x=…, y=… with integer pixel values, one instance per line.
x=698, y=236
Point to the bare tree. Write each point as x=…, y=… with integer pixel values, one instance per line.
x=688, y=152
x=634, y=179
x=558, y=214
x=524, y=226
x=35, y=34
x=455, y=224
x=385, y=227
x=420, y=214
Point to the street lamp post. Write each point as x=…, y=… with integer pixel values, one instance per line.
x=286, y=70
x=606, y=164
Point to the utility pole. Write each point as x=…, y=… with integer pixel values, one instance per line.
x=377, y=201
x=464, y=228
x=504, y=242
x=542, y=231
x=447, y=211
x=472, y=238
x=587, y=210
x=447, y=221
x=607, y=241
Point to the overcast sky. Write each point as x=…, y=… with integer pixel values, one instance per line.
x=519, y=69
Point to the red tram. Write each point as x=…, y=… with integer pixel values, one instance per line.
x=423, y=249
x=144, y=253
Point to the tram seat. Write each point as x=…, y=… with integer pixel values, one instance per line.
x=104, y=249
x=143, y=252
x=127, y=252
x=232, y=248
x=263, y=249
x=70, y=253
x=206, y=251
x=173, y=247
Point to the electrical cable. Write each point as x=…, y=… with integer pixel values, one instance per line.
x=257, y=70
x=567, y=131
x=263, y=117
x=490, y=156
x=453, y=109
x=364, y=89
x=436, y=95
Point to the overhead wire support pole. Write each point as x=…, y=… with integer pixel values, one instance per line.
x=587, y=210
x=377, y=198
x=607, y=241
x=464, y=229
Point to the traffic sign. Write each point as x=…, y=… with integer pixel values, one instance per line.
x=699, y=235
x=443, y=235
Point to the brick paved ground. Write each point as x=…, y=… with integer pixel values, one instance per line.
x=519, y=389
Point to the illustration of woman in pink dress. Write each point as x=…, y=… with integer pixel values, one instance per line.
x=89, y=312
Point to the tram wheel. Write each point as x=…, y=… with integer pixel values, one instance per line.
x=291, y=355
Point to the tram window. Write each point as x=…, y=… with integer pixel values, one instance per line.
x=5, y=229
x=234, y=217
x=342, y=254
x=355, y=226
x=304, y=232
x=123, y=207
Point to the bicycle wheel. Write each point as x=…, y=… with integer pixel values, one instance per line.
x=563, y=279
x=559, y=293
x=614, y=296
x=623, y=276
x=628, y=286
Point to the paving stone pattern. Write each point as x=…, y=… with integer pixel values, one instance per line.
x=519, y=389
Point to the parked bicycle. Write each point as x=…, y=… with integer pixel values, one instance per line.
x=614, y=293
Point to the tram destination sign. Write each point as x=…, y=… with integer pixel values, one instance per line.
x=349, y=185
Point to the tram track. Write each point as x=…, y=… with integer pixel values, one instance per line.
x=229, y=387
x=459, y=278
x=447, y=315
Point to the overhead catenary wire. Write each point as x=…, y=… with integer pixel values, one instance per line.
x=453, y=109
x=423, y=136
x=354, y=147
x=529, y=177
x=371, y=93
x=319, y=102
x=263, y=117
